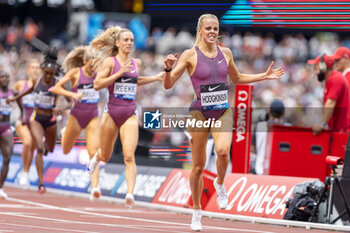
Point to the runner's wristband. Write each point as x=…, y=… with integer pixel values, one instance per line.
x=168, y=70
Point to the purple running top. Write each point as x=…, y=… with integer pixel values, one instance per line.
x=209, y=81
x=43, y=98
x=27, y=100
x=85, y=86
x=5, y=109
x=123, y=90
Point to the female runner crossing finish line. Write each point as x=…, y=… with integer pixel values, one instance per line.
x=208, y=65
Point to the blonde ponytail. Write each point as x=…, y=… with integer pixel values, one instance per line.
x=75, y=58
x=105, y=42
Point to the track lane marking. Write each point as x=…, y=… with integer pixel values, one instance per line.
x=127, y=218
x=88, y=223
x=52, y=228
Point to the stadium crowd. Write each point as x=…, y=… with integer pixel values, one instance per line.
x=299, y=90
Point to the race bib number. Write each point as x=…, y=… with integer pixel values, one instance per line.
x=90, y=96
x=43, y=100
x=5, y=109
x=28, y=101
x=125, y=88
x=214, y=96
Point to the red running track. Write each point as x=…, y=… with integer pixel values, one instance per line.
x=28, y=211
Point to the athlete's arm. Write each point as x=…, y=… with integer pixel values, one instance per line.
x=171, y=77
x=20, y=105
x=143, y=80
x=240, y=78
x=23, y=93
x=61, y=105
x=104, y=78
x=17, y=86
x=72, y=76
x=327, y=111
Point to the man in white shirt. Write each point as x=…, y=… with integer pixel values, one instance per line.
x=275, y=116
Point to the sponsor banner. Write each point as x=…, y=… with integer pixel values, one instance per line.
x=66, y=176
x=176, y=190
x=111, y=176
x=259, y=196
x=74, y=177
x=15, y=170
x=58, y=156
x=242, y=121
x=148, y=182
x=208, y=189
x=32, y=174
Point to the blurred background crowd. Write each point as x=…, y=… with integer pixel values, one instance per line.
x=253, y=52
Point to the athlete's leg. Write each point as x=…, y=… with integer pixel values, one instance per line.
x=6, y=145
x=198, y=149
x=222, y=140
x=92, y=144
x=50, y=135
x=28, y=144
x=108, y=134
x=129, y=136
x=38, y=134
x=71, y=132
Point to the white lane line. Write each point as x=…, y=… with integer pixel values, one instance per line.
x=175, y=227
x=16, y=213
x=22, y=207
x=124, y=210
x=11, y=206
x=127, y=218
x=89, y=223
x=16, y=206
x=181, y=210
x=51, y=228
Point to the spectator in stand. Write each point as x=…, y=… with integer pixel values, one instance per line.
x=336, y=109
x=31, y=30
x=165, y=44
x=274, y=116
x=183, y=40
x=341, y=58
